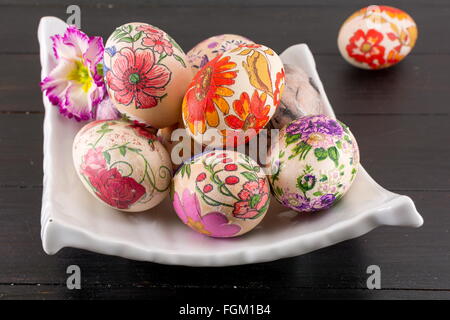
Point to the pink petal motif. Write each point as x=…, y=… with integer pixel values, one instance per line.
x=77, y=103
x=244, y=194
x=124, y=96
x=191, y=205
x=145, y=60
x=62, y=50
x=248, y=215
x=94, y=53
x=149, y=79
x=252, y=186
x=144, y=100
x=217, y=223
x=106, y=110
x=158, y=78
x=149, y=41
x=77, y=39
x=123, y=62
x=116, y=84
x=178, y=207
x=262, y=201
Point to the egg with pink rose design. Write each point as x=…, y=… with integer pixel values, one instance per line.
x=313, y=163
x=210, y=48
x=221, y=193
x=146, y=74
x=121, y=164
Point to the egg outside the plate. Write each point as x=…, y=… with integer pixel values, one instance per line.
x=146, y=74
x=233, y=96
x=209, y=48
x=221, y=193
x=313, y=163
x=122, y=164
x=377, y=37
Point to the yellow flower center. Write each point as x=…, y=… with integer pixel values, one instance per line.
x=366, y=47
x=81, y=75
x=315, y=138
x=198, y=226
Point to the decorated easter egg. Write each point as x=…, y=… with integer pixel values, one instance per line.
x=122, y=164
x=300, y=97
x=146, y=74
x=209, y=48
x=233, y=96
x=221, y=193
x=313, y=163
x=377, y=37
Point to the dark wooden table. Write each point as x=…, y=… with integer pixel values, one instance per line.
x=400, y=117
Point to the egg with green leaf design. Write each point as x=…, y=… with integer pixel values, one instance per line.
x=313, y=163
x=122, y=164
x=146, y=74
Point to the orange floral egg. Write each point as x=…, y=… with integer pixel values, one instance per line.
x=233, y=96
x=377, y=37
x=146, y=74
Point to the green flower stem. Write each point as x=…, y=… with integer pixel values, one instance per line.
x=211, y=199
x=98, y=140
x=221, y=185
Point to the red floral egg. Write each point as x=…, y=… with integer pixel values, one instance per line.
x=122, y=165
x=221, y=199
x=377, y=37
x=146, y=74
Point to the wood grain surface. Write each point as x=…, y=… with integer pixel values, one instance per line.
x=400, y=117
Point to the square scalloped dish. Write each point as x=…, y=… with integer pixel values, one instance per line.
x=71, y=217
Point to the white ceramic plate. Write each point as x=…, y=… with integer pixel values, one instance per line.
x=71, y=217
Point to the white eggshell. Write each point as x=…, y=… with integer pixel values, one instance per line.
x=209, y=48
x=146, y=74
x=122, y=165
x=313, y=163
x=221, y=193
x=235, y=95
x=377, y=37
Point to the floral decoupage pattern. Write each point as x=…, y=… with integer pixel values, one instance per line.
x=122, y=164
x=313, y=164
x=377, y=37
x=221, y=193
x=209, y=48
x=235, y=93
x=146, y=73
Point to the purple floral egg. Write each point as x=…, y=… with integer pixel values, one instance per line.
x=221, y=193
x=313, y=163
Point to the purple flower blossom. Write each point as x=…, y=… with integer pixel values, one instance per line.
x=324, y=202
x=314, y=124
x=300, y=203
x=296, y=202
x=75, y=85
x=106, y=110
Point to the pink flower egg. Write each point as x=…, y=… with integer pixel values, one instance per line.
x=122, y=164
x=218, y=202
